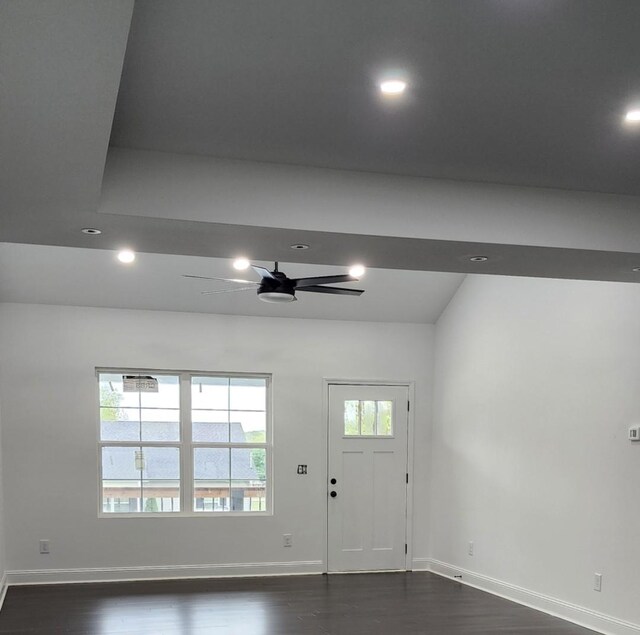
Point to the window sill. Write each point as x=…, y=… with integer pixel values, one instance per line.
x=186, y=515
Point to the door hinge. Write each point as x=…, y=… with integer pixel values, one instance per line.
x=408, y=406
x=405, y=548
x=407, y=478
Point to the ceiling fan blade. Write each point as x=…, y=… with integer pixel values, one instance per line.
x=262, y=272
x=300, y=283
x=332, y=290
x=240, y=280
x=252, y=288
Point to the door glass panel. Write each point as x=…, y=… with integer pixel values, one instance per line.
x=368, y=418
x=351, y=422
x=384, y=427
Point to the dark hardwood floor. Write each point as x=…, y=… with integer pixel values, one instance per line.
x=363, y=604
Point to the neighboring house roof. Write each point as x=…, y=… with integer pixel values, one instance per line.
x=163, y=464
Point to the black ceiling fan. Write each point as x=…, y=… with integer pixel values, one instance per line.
x=275, y=286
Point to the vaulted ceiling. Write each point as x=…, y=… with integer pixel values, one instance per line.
x=208, y=128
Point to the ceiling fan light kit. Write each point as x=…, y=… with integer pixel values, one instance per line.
x=276, y=297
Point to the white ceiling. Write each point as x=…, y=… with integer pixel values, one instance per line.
x=503, y=91
x=38, y=274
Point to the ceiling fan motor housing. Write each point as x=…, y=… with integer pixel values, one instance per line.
x=277, y=289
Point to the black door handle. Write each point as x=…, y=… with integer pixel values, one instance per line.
x=333, y=494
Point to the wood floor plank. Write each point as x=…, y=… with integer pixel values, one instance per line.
x=363, y=604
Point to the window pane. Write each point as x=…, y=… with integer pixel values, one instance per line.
x=351, y=423
x=248, y=427
x=210, y=393
x=367, y=417
x=122, y=419
x=119, y=464
x=136, y=479
x=122, y=424
x=168, y=395
x=212, y=496
x=111, y=392
x=211, y=472
x=384, y=425
x=248, y=464
x=248, y=496
x=161, y=463
x=248, y=393
x=160, y=424
x=211, y=464
x=153, y=493
x=256, y=498
x=210, y=425
x=161, y=477
x=210, y=416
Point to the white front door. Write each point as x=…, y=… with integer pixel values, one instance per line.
x=367, y=486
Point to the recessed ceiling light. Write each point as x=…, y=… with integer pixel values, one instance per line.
x=299, y=246
x=633, y=116
x=126, y=256
x=92, y=231
x=356, y=271
x=478, y=258
x=393, y=87
x=241, y=264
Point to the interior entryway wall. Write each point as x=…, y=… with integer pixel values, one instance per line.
x=48, y=394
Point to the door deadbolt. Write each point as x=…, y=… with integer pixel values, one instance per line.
x=333, y=494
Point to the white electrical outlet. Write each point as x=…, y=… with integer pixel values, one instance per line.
x=287, y=540
x=597, y=581
x=44, y=546
x=470, y=550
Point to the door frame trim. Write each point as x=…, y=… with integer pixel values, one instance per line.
x=410, y=385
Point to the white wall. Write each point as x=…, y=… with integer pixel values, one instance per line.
x=198, y=188
x=49, y=430
x=537, y=382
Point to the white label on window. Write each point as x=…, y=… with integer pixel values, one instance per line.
x=132, y=383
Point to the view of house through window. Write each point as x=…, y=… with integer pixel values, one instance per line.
x=229, y=416
x=182, y=443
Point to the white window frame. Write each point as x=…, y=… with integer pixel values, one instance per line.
x=187, y=446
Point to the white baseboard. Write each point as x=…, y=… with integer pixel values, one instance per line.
x=3, y=588
x=553, y=606
x=169, y=572
x=420, y=564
